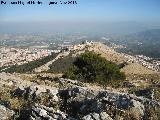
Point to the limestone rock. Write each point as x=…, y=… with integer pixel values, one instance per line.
x=105, y=116
x=6, y=113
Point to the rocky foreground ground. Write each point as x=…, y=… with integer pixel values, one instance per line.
x=45, y=96
x=41, y=97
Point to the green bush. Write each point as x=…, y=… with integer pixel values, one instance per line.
x=61, y=65
x=91, y=67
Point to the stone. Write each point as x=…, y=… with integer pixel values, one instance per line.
x=20, y=91
x=43, y=113
x=71, y=118
x=87, y=117
x=31, y=90
x=39, y=112
x=52, y=91
x=10, y=83
x=105, y=116
x=32, y=118
x=123, y=102
x=96, y=116
x=6, y=113
x=137, y=108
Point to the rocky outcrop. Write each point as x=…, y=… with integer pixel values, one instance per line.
x=40, y=112
x=96, y=116
x=74, y=101
x=83, y=101
x=6, y=113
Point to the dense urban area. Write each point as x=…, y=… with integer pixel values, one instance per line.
x=14, y=55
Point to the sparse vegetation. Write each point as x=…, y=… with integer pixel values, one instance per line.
x=152, y=113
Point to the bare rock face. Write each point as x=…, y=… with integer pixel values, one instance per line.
x=138, y=106
x=105, y=116
x=40, y=112
x=96, y=116
x=93, y=104
x=6, y=113
x=35, y=91
x=74, y=103
x=87, y=101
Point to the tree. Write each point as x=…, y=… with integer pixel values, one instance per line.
x=91, y=67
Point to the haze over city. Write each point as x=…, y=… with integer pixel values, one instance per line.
x=112, y=16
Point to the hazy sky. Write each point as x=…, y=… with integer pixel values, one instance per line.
x=87, y=11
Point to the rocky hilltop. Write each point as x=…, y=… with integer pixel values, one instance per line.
x=132, y=65
x=44, y=95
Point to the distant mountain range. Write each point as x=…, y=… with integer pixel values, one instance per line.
x=146, y=43
x=97, y=28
